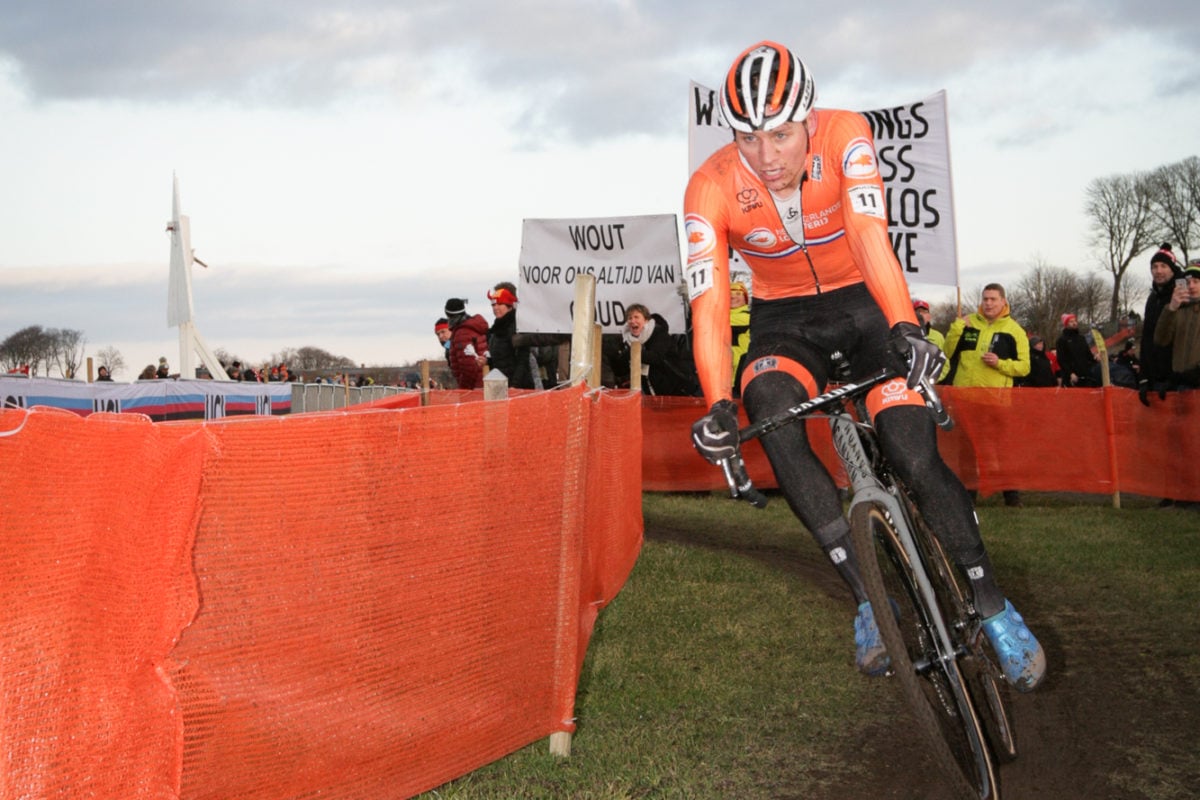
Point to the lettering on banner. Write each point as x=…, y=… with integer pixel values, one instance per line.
x=14, y=401
x=262, y=405
x=608, y=312
x=596, y=237
x=901, y=122
x=706, y=105
x=214, y=406
x=612, y=274
x=110, y=404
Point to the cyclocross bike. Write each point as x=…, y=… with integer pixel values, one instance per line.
x=934, y=636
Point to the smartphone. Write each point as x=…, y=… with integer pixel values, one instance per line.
x=1181, y=283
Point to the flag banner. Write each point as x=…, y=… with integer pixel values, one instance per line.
x=913, y=148
x=634, y=260
x=160, y=400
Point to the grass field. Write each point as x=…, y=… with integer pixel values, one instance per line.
x=724, y=669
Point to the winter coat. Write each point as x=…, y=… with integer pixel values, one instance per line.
x=468, y=339
x=1041, y=371
x=666, y=367
x=1075, y=357
x=970, y=340
x=505, y=356
x=739, y=334
x=1181, y=330
x=1156, y=358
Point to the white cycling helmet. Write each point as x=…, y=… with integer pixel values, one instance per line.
x=766, y=87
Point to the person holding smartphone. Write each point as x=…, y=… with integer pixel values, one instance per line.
x=1179, y=327
x=1156, y=358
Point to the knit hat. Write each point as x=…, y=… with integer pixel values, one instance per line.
x=1068, y=318
x=455, y=306
x=503, y=296
x=1193, y=271
x=920, y=304
x=1163, y=255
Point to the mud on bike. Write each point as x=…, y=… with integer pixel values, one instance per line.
x=934, y=637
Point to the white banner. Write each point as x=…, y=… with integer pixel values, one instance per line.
x=913, y=146
x=634, y=260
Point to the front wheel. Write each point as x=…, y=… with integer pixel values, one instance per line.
x=925, y=664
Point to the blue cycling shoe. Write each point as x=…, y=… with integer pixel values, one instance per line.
x=1021, y=657
x=870, y=655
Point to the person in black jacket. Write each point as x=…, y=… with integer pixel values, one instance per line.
x=1041, y=371
x=1156, y=358
x=503, y=353
x=666, y=369
x=1075, y=357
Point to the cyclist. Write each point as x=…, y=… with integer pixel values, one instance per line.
x=798, y=193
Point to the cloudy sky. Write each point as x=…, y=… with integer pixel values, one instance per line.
x=349, y=166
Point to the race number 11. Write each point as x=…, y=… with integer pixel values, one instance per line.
x=867, y=200
x=699, y=277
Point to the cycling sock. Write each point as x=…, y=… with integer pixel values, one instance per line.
x=842, y=556
x=989, y=600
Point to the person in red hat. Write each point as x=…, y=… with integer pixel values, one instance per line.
x=503, y=353
x=1076, y=360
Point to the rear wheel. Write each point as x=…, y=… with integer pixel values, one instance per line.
x=931, y=678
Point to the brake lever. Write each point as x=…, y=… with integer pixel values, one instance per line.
x=740, y=486
x=925, y=387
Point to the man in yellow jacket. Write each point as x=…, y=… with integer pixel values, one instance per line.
x=987, y=348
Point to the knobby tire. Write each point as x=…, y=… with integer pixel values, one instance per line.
x=935, y=687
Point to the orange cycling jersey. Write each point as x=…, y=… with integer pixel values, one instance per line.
x=839, y=237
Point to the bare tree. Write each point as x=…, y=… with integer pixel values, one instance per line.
x=1121, y=224
x=1175, y=203
x=67, y=350
x=111, y=357
x=32, y=345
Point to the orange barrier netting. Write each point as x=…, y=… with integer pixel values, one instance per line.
x=1096, y=441
x=378, y=600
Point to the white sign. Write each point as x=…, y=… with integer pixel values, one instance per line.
x=913, y=146
x=634, y=260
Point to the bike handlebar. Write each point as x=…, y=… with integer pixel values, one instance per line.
x=740, y=486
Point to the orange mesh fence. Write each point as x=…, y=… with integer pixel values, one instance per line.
x=1077, y=440
x=387, y=600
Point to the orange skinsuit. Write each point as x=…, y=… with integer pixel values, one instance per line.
x=845, y=236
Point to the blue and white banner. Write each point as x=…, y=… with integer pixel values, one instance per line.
x=160, y=400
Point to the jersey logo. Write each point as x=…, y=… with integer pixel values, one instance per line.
x=700, y=236
x=859, y=160
x=761, y=237
x=815, y=172
x=748, y=199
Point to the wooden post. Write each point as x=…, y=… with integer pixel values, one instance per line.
x=1109, y=424
x=424, y=382
x=560, y=744
x=635, y=366
x=585, y=313
x=595, y=380
x=89, y=369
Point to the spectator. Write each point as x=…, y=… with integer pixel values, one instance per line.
x=739, y=329
x=468, y=341
x=1041, y=369
x=1156, y=358
x=925, y=320
x=148, y=374
x=102, y=374
x=988, y=347
x=1075, y=357
x=441, y=329
x=234, y=371
x=164, y=371
x=503, y=353
x=665, y=368
x=1179, y=326
x=1126, y=368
